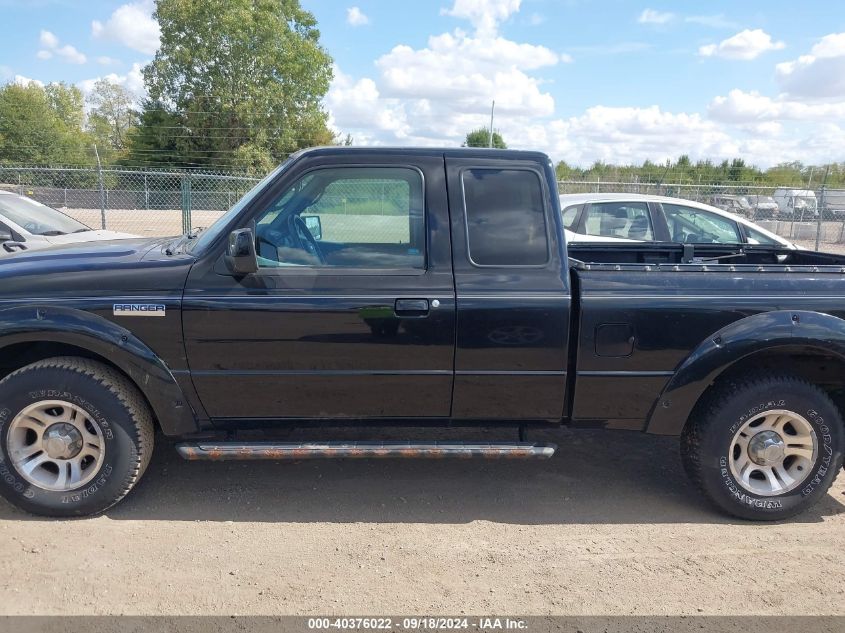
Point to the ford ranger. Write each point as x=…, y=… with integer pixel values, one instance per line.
x=395, y=287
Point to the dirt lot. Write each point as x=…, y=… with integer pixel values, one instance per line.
x=608, y=526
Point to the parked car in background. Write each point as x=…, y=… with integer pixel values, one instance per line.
x=763, y=207
x=26, y=224
x=733, y=204
x=833, y=206
x=796, y=204
x=629, y=217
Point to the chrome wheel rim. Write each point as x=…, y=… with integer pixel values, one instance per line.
x=55, y=445
x=773, y=452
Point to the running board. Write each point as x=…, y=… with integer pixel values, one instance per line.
x=362, y=450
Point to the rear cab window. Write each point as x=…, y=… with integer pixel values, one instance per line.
x=505, y=217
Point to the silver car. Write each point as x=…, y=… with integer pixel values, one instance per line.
x=26, y=224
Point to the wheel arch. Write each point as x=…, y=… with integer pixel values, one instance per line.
x=29, y=334
x=809, y=344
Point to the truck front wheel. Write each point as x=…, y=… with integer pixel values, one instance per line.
x=75, y=437
x=764, y=447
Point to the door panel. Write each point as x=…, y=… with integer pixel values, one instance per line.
x=513, y=319
x=327, y=342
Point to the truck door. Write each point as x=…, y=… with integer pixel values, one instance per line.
x=352, y=311
x=512, y=290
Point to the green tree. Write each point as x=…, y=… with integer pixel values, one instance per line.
x=480, y=137
x=42, y=126
x=235, y=74
x=67, y=102
x=112, y=118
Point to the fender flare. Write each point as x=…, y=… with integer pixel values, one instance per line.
x=91, y=332
x=812, y=331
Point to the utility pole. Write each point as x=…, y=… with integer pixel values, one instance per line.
x=492, y=108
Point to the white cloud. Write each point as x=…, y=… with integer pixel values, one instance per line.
x=69, y=54
x=650, y=16
x=745, y=45
x=832, y=45
x=485, y=15
x=434, y=94
x=356, y=17
x=26, y=81
x=624, y=135
x=105, y=60
x=817, y=75
x=48, y=40
x=132, y=25
x=133, y=81
x=748, y=107
x=51, y=48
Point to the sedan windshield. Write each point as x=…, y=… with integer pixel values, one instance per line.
x=37, y=218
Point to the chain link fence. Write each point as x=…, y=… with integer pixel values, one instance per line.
x=147, y=203
x=812, y=218
x=160, y=203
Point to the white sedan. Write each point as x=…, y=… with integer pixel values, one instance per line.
x=26, y=224
x=630, y=217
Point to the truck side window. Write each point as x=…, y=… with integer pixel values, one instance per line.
x=506, y=217
x=353, y=217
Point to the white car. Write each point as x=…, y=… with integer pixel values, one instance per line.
x=26, y=224
x=630, y=217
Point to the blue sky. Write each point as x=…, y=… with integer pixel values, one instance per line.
x=615, y=80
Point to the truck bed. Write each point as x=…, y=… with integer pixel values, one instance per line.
x=648, y=253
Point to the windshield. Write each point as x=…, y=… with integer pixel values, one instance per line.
x=37, y=218
x=209, y=235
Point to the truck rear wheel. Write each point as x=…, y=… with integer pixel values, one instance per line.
x=75, y=437
x=764, y=447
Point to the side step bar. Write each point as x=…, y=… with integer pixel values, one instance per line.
x=362, y=450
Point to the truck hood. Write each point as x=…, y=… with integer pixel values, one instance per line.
x=88, y=236
x=79, y=254
x=90, y=269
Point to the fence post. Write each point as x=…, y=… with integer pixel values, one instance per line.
x=102, y=190
x=820, y=213
x=146, y=193
x=186, y=203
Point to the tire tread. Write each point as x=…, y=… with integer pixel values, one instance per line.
x=127, y=394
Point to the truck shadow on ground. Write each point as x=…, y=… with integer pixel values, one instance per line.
x=596, y=477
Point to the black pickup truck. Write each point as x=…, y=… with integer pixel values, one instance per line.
x=415, y=287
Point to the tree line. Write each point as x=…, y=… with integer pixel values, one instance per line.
x=235, y=84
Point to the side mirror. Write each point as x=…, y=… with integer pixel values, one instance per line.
x=314, y=225
x=240, y=253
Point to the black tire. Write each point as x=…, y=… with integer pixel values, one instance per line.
x=111, y=401
x=709, y=433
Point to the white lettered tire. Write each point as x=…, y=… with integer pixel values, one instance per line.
x=764, y=447
x=75, y=437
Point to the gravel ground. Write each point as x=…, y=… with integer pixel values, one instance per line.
x=608, y=526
